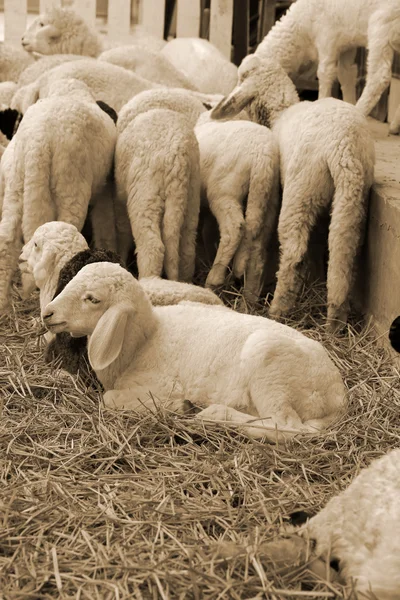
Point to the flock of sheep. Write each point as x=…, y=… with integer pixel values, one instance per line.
x=142, y=139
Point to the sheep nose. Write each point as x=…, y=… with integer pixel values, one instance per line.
x=47, y=314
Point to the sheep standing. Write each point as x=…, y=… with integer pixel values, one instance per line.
x=157, y=174
x=61, y=155
x=327, y=160
x=272, y=377
x=321, y=30
x=240, y=159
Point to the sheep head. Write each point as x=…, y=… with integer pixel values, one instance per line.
x=50, y=247
x=103, y=301
x=264, y=90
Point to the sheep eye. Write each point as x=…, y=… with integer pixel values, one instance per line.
x=92, y=299
x=35, y=244
x=41, y=24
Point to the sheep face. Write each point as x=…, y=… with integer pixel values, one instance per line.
x=41, y=36
x=264, y=90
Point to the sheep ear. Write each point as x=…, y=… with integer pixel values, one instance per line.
x=237, y=100
x=53, y=32
x=106, y=341
x=45, y=266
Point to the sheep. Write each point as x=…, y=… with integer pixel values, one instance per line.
x=239, y=159
x=274, y=381
x=153, y=66
x=157, y=175
x=203, y=64
x=320, y=30
x=13, y=61
x=60, y=157
x=7, y=91
x=63, y=31
x=327, y=159
x=394, y=334
x=35, y=70
x=54, y=255
x=359, y=529
x=112, y=84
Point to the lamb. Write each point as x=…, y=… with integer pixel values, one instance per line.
x=321, y=30
x=112, y=84
x=55, y=254
x=35, y=70
x=157, y=175
x=153, y=66
x=63, y=31
x=327, y=159
x=359, y=529
x=274, y=381
x=203, y=64
x=13, y=61
x=239, y=159
x=60, y=157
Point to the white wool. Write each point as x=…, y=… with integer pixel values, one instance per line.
x=272, y=377
x=327, y=159
x=65, y=139
x=239, y=160
x=321, y=30
x=13, y=61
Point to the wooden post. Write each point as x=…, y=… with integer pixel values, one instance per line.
x=240, y=30
x=188, y=19
x=153, y=12
x=86, y=9
x=268, y=15
x=221, y=21
x=14, y=21
x=46, y=4
x=119, y=19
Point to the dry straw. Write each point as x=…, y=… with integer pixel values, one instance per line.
x=96, y=504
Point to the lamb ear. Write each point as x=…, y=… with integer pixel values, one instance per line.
x=236, y=101
x=53, y=33
x=106, y=341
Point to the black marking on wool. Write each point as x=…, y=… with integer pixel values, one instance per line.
x=9, y=122
x=394, y=334
x=108, y=110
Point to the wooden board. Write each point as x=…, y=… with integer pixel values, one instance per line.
x=188, y=19
x=86, y=9
x=153, y=12
x=46, y=4
x=14, y=20
x=119, y=19
x=221, y=19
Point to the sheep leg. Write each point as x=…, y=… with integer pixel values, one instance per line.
x=73, y=193
x=346, y=233
x=298, y=216
x=123, y=229
x=347, y=75
x=379, y=64
x=229, y=214
x=394, y=128
x=102, y=215
x=145, y=398
x=145, y=216
x=187, y=248
x=10, y=242
x=326, y=72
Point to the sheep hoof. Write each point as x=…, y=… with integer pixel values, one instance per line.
x=394, y=128
x=214, y=279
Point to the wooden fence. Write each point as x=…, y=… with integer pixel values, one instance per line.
x=151, y=14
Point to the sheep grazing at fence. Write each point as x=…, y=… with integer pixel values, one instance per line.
x=239, y=160
x=327, y=160
x=358, y=530
x=157, y=174
x=112, y=84
x=13, y=61
x=153, y=66
x=58, y=160
x=277, y=381
x=203, y=64
x=321, y=30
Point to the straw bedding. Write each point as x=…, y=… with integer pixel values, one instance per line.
x=99, y=504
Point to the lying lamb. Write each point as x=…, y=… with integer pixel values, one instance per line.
x=273, y=377
x=55, y=254
x=359, y=530
x=327, y=160
x=60, y=157
x=157, y=173
x=240, y=159
x=321, y=30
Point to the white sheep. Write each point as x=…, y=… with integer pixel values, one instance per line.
x=240, y=159
x=321, y=30
x=327, y=160
x=63, y=31
x=359, y=529
x=13, y=61
x=7, y=91
x=273, y=381
x=45, y=63
x=153, y=66
x=157, y=174
x=60, y=157
x=109, y=83
x=203, y=64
